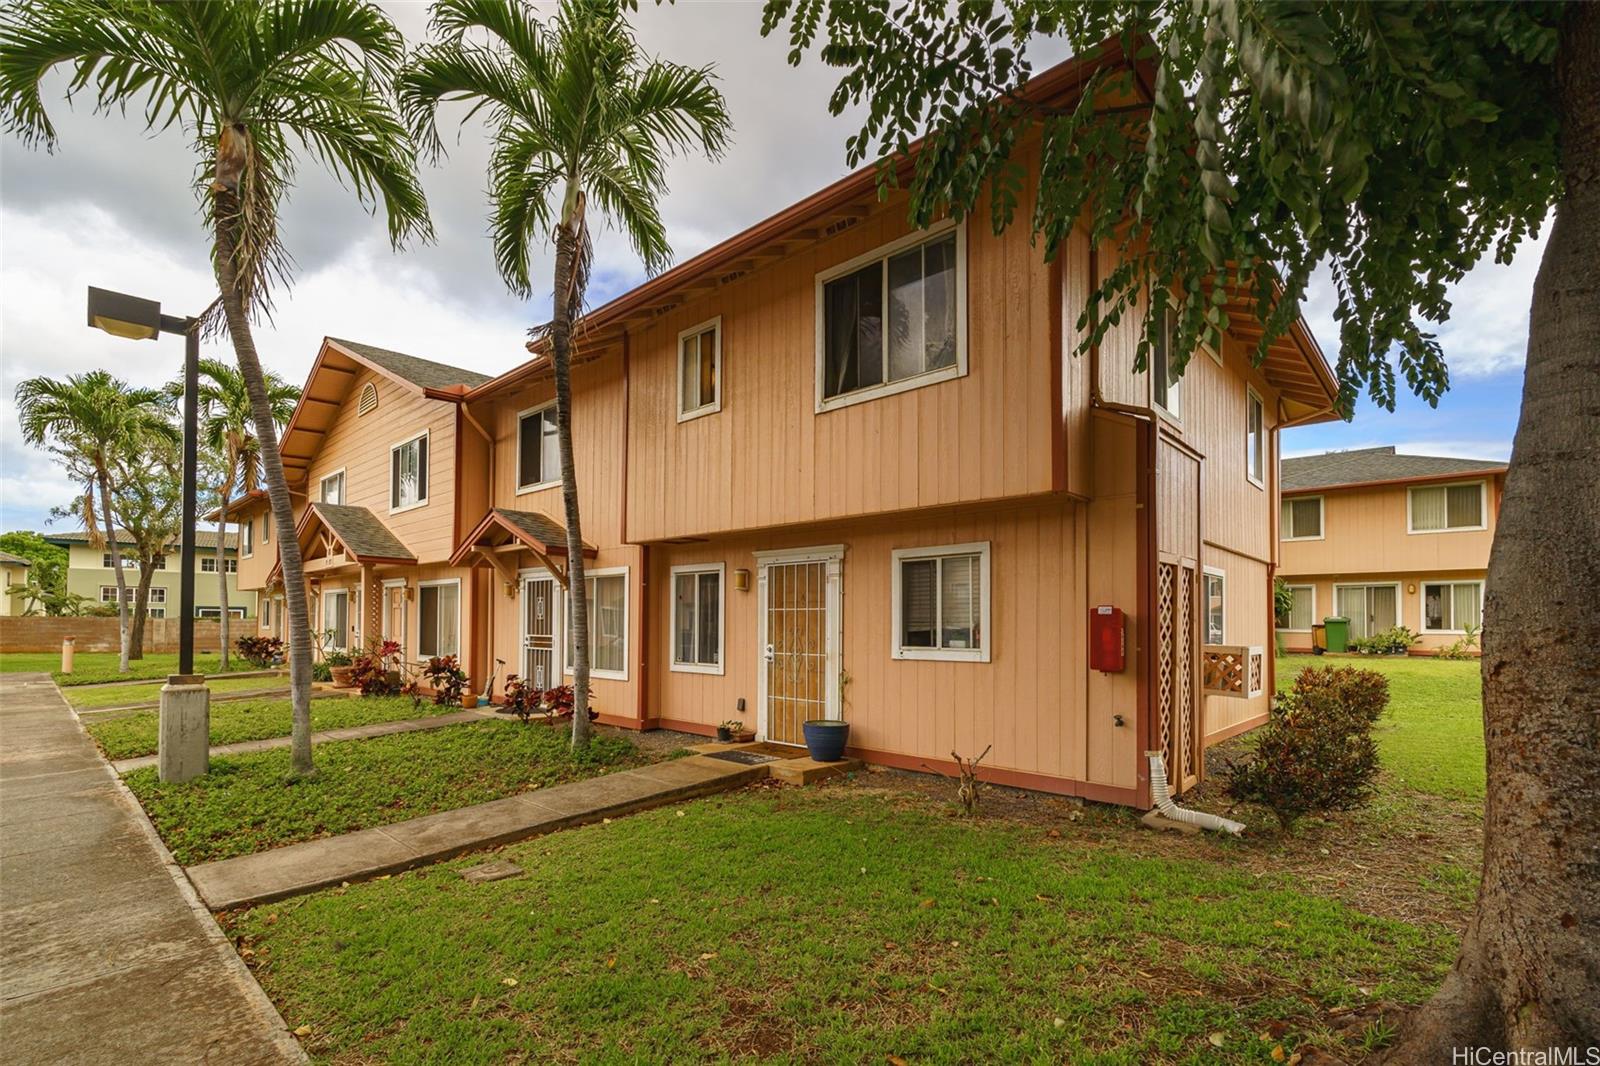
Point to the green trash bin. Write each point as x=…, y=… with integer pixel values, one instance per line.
x=1338, y=631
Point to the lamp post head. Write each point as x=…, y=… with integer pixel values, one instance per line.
x=124, y=316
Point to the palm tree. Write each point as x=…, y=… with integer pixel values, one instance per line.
x=92, y=422
x=227, y=432
x=577, y=113
x=249, y=83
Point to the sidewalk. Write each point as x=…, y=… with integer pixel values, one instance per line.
x=316, y=864
x=354, y=732
x=109, y=956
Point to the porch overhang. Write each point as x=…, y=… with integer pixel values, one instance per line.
x=333, y=536
x=503, y=532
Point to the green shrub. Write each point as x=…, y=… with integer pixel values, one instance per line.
x=1316, y=752
x=1464, y=647
x=1392, y=641
x=321, y=671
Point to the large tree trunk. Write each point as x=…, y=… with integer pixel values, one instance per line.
x=141, y=608
x=1528, y=975
x=577, y=589
x=222, y=576
x=294, y=582
x=116, y=566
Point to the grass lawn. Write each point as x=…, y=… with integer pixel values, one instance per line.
x=1432, y=738
x=243, y=805
x=91, y=696
x=91, y=667
x=843, y=924
x=231, y=722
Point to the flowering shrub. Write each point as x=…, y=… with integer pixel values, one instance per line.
x=378, y=671
x=261, y=652
x=445, y=676
x=1316, y=751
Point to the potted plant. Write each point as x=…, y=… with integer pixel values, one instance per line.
x=734, y=730
x=825, y=738
x=341, y=668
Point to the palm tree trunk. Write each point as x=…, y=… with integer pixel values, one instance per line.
x=116, y=566
x=222, y=577
x=577, y=588
x=294, y=582
x=141, y=609
x=1530, y=960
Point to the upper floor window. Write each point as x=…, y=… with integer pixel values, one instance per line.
x=159, y=563
x=1301, y=518
x=1440, y=508
x=247, y=533
x=919, y=283
x=331, y=489
x=127, y=560
x=700, y=370
x=941, y=602
x=1255, y=437
x=208, y=565
x=266, y=526
x=1166, y=387
x=538, y=448
x=408, y=474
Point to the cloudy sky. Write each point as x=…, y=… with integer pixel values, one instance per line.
x=113, y=207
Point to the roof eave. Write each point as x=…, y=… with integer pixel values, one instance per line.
x=1454, y=475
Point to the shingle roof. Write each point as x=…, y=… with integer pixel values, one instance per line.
x=540, y=527
x=13, y=560
x=1363, y=465
x=203, y=538
x=361, y=531
x=423, y=372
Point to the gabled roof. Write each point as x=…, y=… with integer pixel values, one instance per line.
x=327, y=387
x=203, y=538
x=1364, y=466
x=364, y=536
x=7, y=559
x=538, y=532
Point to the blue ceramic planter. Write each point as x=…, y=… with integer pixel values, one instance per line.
x=825, y=739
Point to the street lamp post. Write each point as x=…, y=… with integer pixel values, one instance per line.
x=185, y=700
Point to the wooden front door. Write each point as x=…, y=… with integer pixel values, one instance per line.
x=800, y=643
x=394, y=617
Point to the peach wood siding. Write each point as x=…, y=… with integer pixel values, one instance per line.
x=1364, y=531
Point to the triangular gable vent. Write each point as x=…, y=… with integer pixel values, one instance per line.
x=369, y=399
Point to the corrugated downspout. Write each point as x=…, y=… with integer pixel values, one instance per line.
x=1163, y=801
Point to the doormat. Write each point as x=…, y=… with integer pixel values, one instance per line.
x=744, y=758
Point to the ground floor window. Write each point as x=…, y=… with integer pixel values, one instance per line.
x=1452, y=606
x=1304, y=611
x=941, y=602
x=697, y=618
x=1216, y=627
x=608, y=624
x=336, y=618
x=216, y=612
x=439, y=618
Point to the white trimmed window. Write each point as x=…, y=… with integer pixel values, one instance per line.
x=1300, y=518
x=1451, y=606
x=1215, y=585
x=1303, y=614
x=439, y=618
x=216, y=612
x=266, y=526
x=408, y=474
x=331, y=488
x=893, y=319
x=1166, y=387
x=247, y=533
x=697, y=618
x=1255, y=437
x=700, y=370
x=941, y=602
x=336, y=618
x=608, y=624
x=208, y=565
x=538, y=449
x=1446, y=508
x=108, y=594
x=127, y=561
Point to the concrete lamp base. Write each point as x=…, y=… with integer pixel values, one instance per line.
x=184, y=751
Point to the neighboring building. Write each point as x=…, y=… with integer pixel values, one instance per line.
x=1385, y=540
x=13, y=579
x=89, y=574
x=790, y=512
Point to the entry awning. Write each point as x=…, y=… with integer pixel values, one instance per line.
x=333, y=535
x=504, y=531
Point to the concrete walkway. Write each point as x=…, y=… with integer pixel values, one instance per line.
x=354, y=732
x=315, y=864
x=109, y=956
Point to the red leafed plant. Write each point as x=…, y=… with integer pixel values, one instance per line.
x=447, y=679
x=521, y=698
x=378, y=671
x=556, y=703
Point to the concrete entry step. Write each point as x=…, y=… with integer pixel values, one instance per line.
x=808, y=771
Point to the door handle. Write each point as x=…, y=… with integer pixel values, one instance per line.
x=769, y=654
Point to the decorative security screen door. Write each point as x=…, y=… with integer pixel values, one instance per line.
x=800, y=643
x=539, y=631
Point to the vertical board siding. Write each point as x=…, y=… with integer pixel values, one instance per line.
x=1410, y=602
x=1364, y=531
x=1245, y=592
x=1028, y=701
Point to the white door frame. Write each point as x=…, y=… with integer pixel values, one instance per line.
x=1399, y=600
x=833, y=556
x=389, y=585
x=558, y=636
x=328, y=592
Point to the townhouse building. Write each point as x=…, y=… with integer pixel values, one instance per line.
x=835, y=467
x=90, y=574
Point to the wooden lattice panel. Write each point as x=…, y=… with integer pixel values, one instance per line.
x=1166, y=581
x=1183, y=652
x=1224, y=670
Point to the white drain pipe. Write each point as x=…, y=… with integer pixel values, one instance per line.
x=1162, y=798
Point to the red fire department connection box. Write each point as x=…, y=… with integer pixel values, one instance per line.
x=1107, y=639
